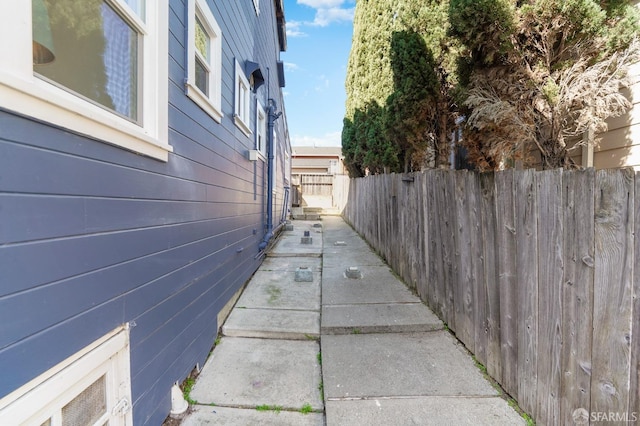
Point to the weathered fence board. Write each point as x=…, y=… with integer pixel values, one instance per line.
x=535, y=272
x=463, y=292
x=477, y=282
x=550, y=221
x=612, y=291
x=527, y=288
x=436, y=275
x=492, y=292
x=448, y=244
x=506, y=239
x=577, y=293
x=634, y=393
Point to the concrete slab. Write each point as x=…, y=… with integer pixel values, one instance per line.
x=226, y=416
x=290, y=264
x=399, y=364
x=341, y=257
x=378, y=318
x=272, y=324
x=244, y=372
x=378, y=285
x=291, y=246
x=425, y=411
x=373, y=274
x=279, y=290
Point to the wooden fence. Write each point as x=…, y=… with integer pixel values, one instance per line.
x=533, y=271
x=316, y=184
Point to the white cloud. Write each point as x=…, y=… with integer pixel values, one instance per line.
x=329, y=11
x=293, y=29
x=328, y=139
x=325, y=17
x=290, y=66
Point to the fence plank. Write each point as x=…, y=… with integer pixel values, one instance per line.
x=449, y=245
x=634, y=394
x=491, y=290
x=549, y=295
x=577, y=292
x=527, y=279
x=612, y=291
x=463, y=296
x=423, y=259
x=479, y=295
x=506, y=239
x=435, y=266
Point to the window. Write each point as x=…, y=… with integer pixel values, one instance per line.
x=204, y=81
x=92, y=387
x=261, y=130
x=98, y=68
x=256, y=6
x=241, y=116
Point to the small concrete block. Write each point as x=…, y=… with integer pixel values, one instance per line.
x=353, y=272
x=312, y=216
x=304, y=275
x=288, y=227
x=340, y=243
x=306, y=240
x=317, y=225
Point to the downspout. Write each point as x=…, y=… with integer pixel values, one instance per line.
x=272, y=117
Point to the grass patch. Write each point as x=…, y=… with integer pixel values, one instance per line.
x=355, y=331
x=310, y=337
x=306, y=409
x=319, y=358
x=275, y=408
x=187, y=386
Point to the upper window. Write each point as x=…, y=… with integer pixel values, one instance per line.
x=256, y=6
x=261, y=130
x=242, y=107
x=205, y=56
x=97, y=68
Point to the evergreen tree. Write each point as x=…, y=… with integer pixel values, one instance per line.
x=541, y=73
x=398, y=80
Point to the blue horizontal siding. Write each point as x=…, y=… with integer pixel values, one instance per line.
x=93, y=236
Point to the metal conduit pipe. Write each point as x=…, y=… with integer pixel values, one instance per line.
x=272, y=117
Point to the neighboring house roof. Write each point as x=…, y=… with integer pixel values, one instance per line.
x=311, y=151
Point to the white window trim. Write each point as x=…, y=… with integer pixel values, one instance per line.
x=241, y=118
x=256, y=6
x=262, y=150
x=38, y=400
x=22, y=92
x=211, y=104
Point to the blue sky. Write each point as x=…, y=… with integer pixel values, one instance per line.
x=318, y=43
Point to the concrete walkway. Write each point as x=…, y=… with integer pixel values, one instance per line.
x=324, y=333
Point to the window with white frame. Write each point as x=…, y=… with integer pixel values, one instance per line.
x=242, y=107
x=98, y=68
x=256, y=6
x=204, y=81
x=261, y=129
x=92, y=387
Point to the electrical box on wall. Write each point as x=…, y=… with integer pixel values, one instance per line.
x=253, y=155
